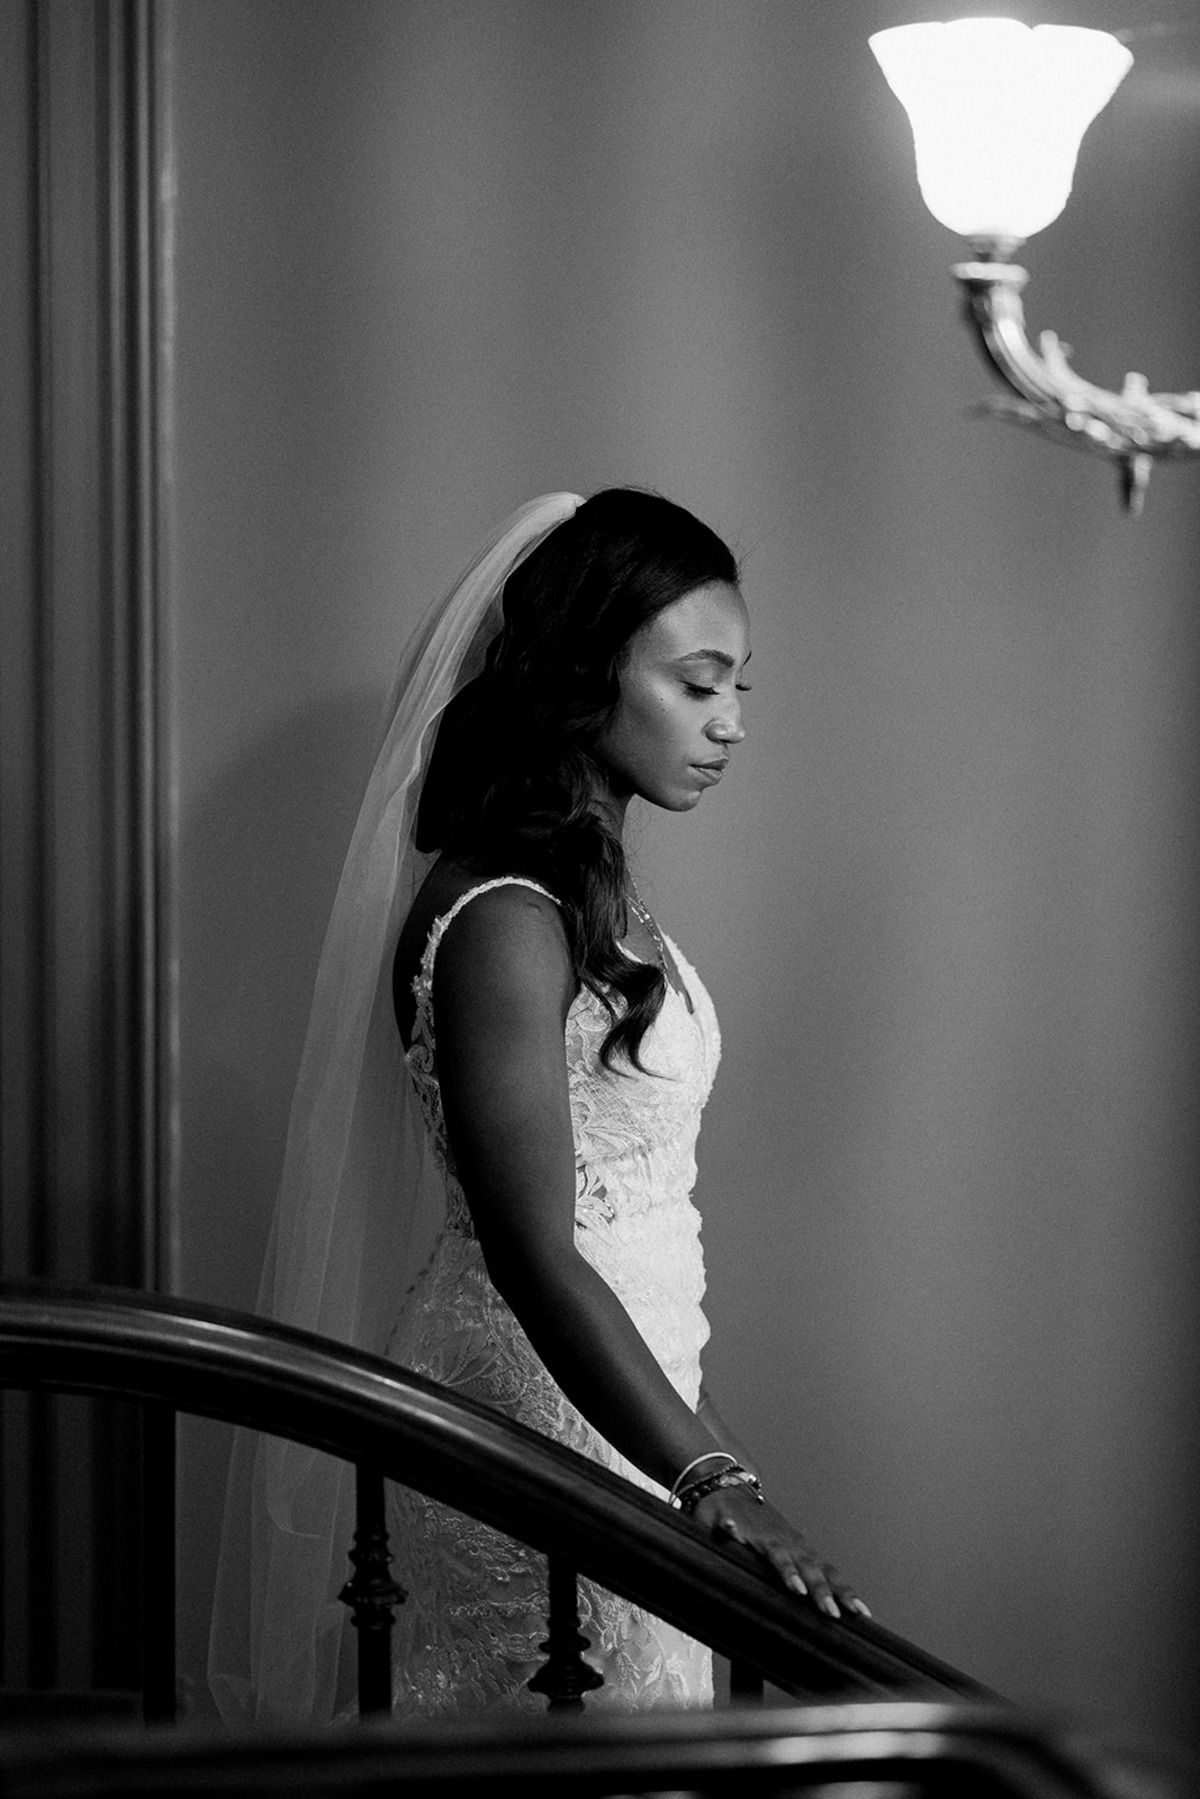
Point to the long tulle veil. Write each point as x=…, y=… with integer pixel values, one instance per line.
x=357, y=1195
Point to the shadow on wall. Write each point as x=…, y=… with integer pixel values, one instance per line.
x=260, y=856
x=261, y=853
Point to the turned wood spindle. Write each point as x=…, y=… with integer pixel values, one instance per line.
x=565, y=1677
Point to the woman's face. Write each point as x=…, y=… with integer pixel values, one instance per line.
x=679, y=713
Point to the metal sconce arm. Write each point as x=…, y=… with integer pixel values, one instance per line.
x=1135, y=427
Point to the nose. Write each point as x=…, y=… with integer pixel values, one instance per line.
x=727, y=727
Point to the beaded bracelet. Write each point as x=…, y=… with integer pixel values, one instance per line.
x=710, y=1455
x=737, y=1476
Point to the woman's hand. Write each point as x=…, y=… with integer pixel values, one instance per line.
x=734, y=1515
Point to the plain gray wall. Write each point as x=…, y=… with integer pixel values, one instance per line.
x=435, y=257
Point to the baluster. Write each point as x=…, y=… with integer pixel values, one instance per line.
x=372, y=1594
x=566, y=1677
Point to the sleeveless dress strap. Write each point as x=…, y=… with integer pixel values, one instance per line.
x=423, y=979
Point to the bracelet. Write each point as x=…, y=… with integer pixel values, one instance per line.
x=737, y=1476
x=710, y=1455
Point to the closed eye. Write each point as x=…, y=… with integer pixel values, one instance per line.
x=711, y=692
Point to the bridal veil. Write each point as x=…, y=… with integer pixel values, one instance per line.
x=358, y=1196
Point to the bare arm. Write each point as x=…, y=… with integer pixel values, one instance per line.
x=502, y=987
x=721, y=1433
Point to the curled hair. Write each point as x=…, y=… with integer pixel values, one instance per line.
x=513, y=777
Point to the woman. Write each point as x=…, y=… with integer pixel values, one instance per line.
x=559, y=1050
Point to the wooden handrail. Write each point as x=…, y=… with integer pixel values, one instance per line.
x=245, y=1370
x=923, y=1748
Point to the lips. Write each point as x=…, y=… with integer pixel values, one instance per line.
x=712, y=771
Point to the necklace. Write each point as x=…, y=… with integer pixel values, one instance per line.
x=635, y=899
x=670, y=972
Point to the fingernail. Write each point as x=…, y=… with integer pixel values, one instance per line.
x=830, y=1605
x=797, y=1585
x=858, y=1606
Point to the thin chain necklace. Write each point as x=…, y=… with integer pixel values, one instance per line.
x=646, y=918
x=666, y=963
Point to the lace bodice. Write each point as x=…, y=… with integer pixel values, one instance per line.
x=635, y=1139
x=635, y=1133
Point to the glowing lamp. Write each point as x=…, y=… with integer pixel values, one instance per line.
x=998, y=111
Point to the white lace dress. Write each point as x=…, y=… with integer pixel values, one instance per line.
x=468, y=1636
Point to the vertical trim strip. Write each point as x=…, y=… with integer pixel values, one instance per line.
x=157, y=210
x=87, y=957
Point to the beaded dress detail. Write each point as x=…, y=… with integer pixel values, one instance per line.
x=468, y=1636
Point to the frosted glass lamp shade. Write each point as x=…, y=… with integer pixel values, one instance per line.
x=998, y=111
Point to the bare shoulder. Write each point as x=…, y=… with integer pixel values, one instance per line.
x=509, y=936
x=506, y=947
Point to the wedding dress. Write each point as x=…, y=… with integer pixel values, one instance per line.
x=366, y=1173
x=468, y=1636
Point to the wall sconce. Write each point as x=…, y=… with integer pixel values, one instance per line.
x=998, y=111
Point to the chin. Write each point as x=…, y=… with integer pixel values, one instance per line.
x=682, y=798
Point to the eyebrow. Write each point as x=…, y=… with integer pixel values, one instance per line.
x=722, y=657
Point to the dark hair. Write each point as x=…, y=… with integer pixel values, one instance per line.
x=512, y=779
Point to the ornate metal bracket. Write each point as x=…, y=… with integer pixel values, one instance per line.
x=1135, y=427
x=565, y=1677
x=372, y=1594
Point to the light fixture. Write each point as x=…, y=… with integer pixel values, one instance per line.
x=998, y=111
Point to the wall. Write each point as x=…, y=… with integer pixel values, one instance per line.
x=433, y=258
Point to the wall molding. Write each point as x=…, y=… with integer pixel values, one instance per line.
x=86, y=1052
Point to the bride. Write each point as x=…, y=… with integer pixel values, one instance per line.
x=504, y=1072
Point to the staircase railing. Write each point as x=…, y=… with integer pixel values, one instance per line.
x=886, y=1750
x=185, y=1357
